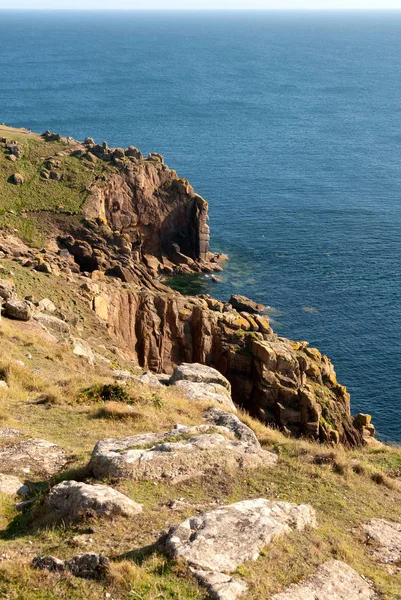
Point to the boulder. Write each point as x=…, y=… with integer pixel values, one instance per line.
x=238, y=428
x=32, y=456
x=200, y=374
x=83, y=349
x=219, y=585
x=87, y=566
x=156, y=156
x=71, y=500
x=386, y=538
x=242, y=303
x=148, y=378
x=175, y=455
x=333, y=580
x=20, y=310
x=223, y=539
x=17, y=179
x=51, y=322
x=47, y=305
x=206, y=391
x=7, y=289
x=134, y=153
x=11, y=485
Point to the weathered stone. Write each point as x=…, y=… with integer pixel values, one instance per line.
x=46, y=304
x=175, y=455
x=100, y=306
x=219, y=585
x=223, y=539
x=83, y=349
x=7, y=289
x=386, y=536
x=333, y=580
x=20, y=310
x=70, y=500
x=32, y=456
x=11, y=485
x=242, y=303
x=199, y=373
x=206, y=391
x=87, y=566
x=148, y=378
x=48, y=563
x=51, y=322
x=17, y=179
x=224, y=419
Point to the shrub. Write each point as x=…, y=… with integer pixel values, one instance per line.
x=110, y=392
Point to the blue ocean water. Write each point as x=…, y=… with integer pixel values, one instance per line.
x=288, y=123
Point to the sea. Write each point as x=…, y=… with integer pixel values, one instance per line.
x=288, y=123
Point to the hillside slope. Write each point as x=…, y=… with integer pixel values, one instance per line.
x=177, y=407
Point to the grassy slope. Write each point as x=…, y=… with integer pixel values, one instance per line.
x=354, y=488
x=343, y=498
x=36, y=194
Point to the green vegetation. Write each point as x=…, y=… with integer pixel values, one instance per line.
x=346, y=487
x=36, y=193
x=110, y=392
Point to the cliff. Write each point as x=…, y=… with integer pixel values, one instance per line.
x=155, y=445
x=137, y=220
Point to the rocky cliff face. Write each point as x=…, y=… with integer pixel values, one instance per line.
x=161, y=218
x=142, y=220
x=282, y=382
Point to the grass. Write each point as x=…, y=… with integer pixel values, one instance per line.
x=37, y=194
x=45, y=399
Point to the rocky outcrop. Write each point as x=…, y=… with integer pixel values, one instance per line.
x=335, y=580
x=246, y=304
x=223, y=539
x=33, y=456
x=384, y=539
x=71, y=500
x=176, y=455
x=149, y=216
x=219, y=585
x=279, y=381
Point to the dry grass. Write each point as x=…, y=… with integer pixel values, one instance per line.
x=346, y=487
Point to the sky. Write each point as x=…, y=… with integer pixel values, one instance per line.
x=203, y=4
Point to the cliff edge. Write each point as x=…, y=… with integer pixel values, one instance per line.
x=123, y=220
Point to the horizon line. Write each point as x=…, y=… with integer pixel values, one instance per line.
x=201, y=9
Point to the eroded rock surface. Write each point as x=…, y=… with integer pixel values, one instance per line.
x=221, y=586
x=198, y=373
x=11, y=485
x=206, y=391
x=386, y=538
x=87, y=566
x=73, y=499
x=223, y=539
x=238, y=428
x=175, y=455
x=33, y=456
x=242, y=303
x=281, y=382
x=333, y=580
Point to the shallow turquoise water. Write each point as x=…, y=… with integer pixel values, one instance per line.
x=288, y=123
